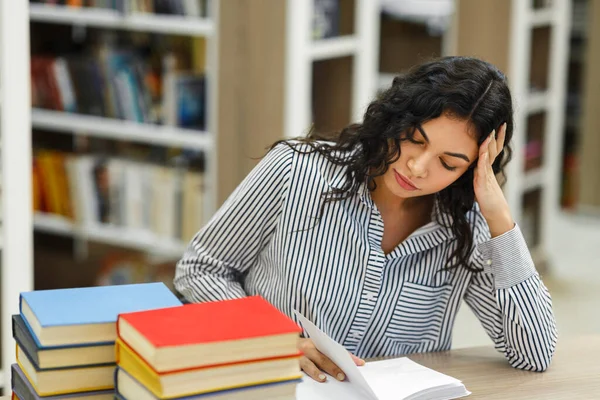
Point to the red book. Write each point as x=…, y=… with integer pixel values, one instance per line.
x=213, y=333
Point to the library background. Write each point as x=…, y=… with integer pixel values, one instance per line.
x=126, y=123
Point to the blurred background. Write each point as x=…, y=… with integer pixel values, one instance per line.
x=126, y=123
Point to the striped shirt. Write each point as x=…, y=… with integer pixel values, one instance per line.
x=267, y=240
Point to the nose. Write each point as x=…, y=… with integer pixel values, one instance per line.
x=417, y=167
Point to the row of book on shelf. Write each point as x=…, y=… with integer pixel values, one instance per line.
x=188, y=8
x=137, y=196
x=120, y=83
x=140, y=342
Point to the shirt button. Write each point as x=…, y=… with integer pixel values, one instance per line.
x=488, y=262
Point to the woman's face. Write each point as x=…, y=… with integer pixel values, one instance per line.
x=436, y=156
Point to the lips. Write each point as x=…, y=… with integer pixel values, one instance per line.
x=404, y=182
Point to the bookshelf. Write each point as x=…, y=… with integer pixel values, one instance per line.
x=17, y=250
x=17, y=118
x=81, y=125
x=139, y=239
x=301, y=81
x=115, y=19
x=532, y=48
x=333, y=48
x=344, y=63
x=101, y=127
x=411, y=33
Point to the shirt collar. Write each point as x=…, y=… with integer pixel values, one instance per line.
x=441, y=218
x=364, y=194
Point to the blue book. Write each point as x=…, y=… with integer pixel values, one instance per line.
x=22, y=388
x=71, y=317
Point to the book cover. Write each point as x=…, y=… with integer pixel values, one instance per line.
x=22, y=389
x=95, y=305
x=128, y=388
x=190, y=93
x=59, y=356
x=58, y=381
x=204, y=380
x=249, y=317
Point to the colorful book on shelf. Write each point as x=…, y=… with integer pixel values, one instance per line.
x=50, y=382
x=59, y=356
x=128, y=388
x=326, y=19
x=79, y=316
x=22, y=390
x=52, y=185
x=209, y=379
x=130, y=194
x=191, y=336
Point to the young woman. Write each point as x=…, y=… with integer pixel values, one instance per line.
x=379, y=235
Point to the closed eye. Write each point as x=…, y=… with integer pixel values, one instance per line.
x=412, y=140
x=448, y=167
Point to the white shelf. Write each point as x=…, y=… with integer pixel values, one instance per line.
x=113, y=19
x=113, y=235
x=120, y=129
x=169, y=24
x=533, y=179
x=135, y=239
x=542, y=17
x=537, y=102
x=52, y=223
x=325, y=49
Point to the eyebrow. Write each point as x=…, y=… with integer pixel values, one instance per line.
x=458, y=155
x=448, y=153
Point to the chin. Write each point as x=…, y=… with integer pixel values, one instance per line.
x=407, y=194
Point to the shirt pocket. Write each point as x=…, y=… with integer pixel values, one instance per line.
x=419, y=314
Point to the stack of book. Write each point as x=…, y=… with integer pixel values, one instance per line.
x=241, y=349
x=65, y=338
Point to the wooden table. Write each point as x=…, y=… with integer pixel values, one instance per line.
x=573, y=374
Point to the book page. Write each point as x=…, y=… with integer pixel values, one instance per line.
x=399, y=378
x=309, y=389
x=340, y=356
x=393, y=379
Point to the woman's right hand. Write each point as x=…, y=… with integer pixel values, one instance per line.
x=314, y=363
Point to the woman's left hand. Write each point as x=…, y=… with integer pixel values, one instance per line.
x=488, y=192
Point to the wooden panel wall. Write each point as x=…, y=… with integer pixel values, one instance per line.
x=251, y=86
x=589, y=175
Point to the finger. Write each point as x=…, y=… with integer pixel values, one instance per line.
x=311, y=370
x=484, y=146
x=357, y=361
x=501, y=138
x=326, y=365
x=492, y=147
x=482, y=166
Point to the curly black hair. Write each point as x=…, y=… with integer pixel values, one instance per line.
x=461, y=87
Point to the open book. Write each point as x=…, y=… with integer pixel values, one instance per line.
x=395, y=379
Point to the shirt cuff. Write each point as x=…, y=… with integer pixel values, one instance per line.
x=507, y=258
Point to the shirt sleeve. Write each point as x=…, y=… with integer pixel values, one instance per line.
x=512, y=303
x=229, y=245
